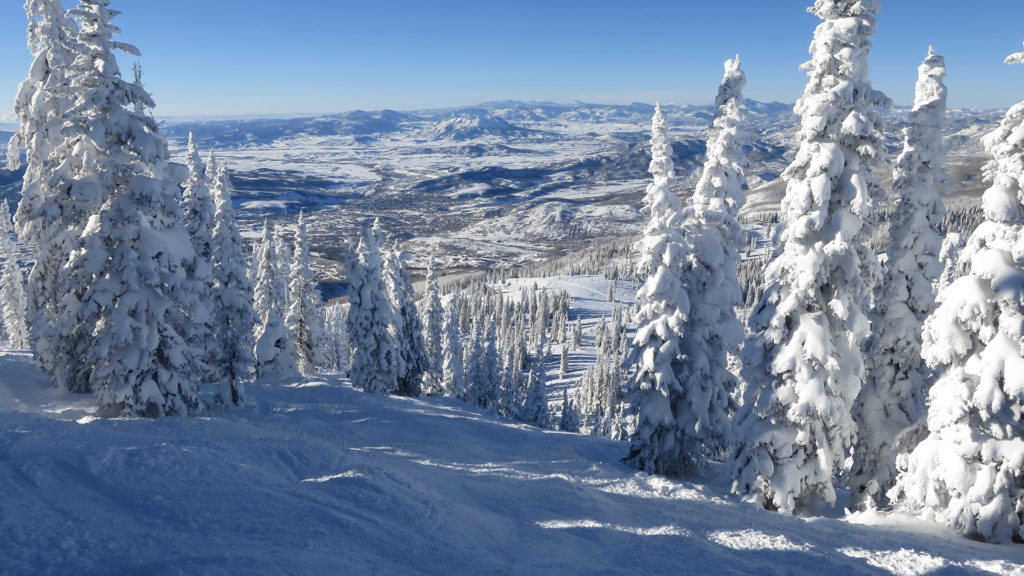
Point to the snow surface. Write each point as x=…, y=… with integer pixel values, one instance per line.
x=313, y=477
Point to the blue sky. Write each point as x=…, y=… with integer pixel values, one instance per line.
x=234, y=57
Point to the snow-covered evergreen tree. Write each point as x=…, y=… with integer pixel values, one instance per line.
x=275, y=353
x=470, y=362
x=48, y=219
x=969, y=471
x=712, y=330
x=6, y=227
x=488, y=377
x=43, y=97
x=305, y=311
x=577, y=334
x=949, y=257
x=803, y=361
x=599, y=400
x=128, y=304
x=374, y=351
x=234, y=318
x=570, y=420
x=432, y=318
x=453, y=372
x=12, y=302
x=197, y=204
x=892, y=398
x=282, y=266
x=198, y=211
x=336, y=324
x=411, y=347
x=535, y=404
x=655, y=391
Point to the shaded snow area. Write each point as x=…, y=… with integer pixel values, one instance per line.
x=314, y=477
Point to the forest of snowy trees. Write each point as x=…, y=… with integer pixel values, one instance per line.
x=832, y=364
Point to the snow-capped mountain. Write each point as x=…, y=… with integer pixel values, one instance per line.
x=480, y=125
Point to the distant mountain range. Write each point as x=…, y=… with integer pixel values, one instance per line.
x=496, y=184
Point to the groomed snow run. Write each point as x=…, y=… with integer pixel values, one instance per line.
x=313, y=477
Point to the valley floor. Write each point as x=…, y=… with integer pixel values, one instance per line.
x=313, y=477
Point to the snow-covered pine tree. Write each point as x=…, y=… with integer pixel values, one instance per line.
x=892, y=398
x=234, y=318
x=563, y=363
x=513, y=380
x=655, y=390
x=6, y=227
x=570, y=421
x=374, y=351
x=535, y=404
x=197, y=204
x=453, y=372
x=282, y=266
x=803, y=360
x=949, y=257
x=12, y=302
x=8, y=299
x=600, y=401
x=43, y=97
x=129, y=302
x=577, y=334
x=712, y=330
x=336, y=324
x=470, y=362
x=969, y=471
x=488, y=383
x=198, y=211
x=13, y=306
x=44, y=223
x=432, y=318
x=305, y=311
x=275, y=354
x=411, y=347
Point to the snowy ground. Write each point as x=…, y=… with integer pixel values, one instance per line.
x=316, y=478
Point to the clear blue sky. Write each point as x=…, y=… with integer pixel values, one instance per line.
x=228, y=57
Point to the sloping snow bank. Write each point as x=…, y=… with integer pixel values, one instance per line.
x=316, y=478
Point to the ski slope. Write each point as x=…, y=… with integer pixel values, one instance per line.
x=313, y=477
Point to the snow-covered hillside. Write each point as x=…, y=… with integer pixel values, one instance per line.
x=314, y=477
x=449, y=174
x=445, y=180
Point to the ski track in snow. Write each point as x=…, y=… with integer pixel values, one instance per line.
x=317, y=478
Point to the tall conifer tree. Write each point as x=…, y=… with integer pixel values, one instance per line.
x=803, y=360
x=969, y=471
x=657, y=445
x=234, y=317
x=892, y=399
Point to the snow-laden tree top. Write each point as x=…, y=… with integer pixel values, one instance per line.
x=662, y=169
x=1015, y=58
x=1001, y=201
x=731, y=88
x=719, y=195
